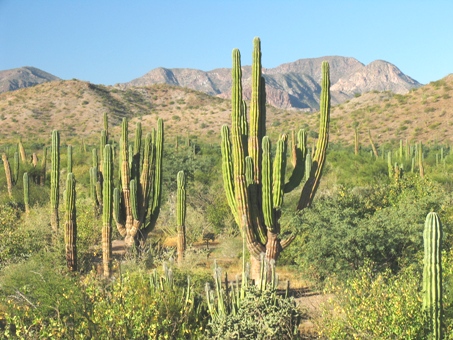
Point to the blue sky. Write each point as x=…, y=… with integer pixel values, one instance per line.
x=112, y=41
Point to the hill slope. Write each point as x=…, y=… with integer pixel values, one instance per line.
x=76, y=109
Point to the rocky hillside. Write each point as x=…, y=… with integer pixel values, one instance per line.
x=293, y=85
x=76, y=109
x=23, y=77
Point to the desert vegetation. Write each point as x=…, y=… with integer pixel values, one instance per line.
x=134, y=233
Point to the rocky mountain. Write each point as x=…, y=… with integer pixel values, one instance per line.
x=292, y=85
x=23, y=77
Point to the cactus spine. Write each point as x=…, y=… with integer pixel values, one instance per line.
x=432, y=273
x=181, y=215
x=26, y=193
x=137, y=206
x=107, y=206
x=54, y=181
x=254, y=185
x=70, y=234
x=9, y=179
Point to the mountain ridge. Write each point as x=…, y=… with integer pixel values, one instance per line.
x=294, y=85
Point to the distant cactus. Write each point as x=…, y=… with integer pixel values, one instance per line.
x=70, y=234
x=26, y=193
x=8, y=175
x=432, y=273
x=54, y=181
x=181, y=215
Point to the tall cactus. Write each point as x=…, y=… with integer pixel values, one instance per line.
x=69, y=159
x=26, y=193
x=54, y=181
x=432, y=273
x=181, y=215
x=421, y=168
x=70, y=234
x=21, y=148
x=16, y=167
x=137, y=202
x=254, y=184
x=107, y=207
x=43, y=166
x=8, y=175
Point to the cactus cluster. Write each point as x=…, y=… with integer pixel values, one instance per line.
x=137, y=202
x=255, y=184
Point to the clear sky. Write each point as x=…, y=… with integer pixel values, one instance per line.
x=115, y=41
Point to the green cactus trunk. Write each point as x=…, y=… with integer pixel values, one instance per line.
x=26, y=193
x=420, y=160
x=69, y=159
x=23, y=157
x=16, y=168
x=432, y=273
x=107, y=207
x=70, y=235
x=54, y=181
x=181, y=216
x=254, y=185
x=43, y=166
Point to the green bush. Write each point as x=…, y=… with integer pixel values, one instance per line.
x=375, y=306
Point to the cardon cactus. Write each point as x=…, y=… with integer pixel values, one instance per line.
x=70, y=235
x=254, y=184
x=137, y=203
x=54, y=181
x=107, y=208
x=432, y=273
x=181, y=215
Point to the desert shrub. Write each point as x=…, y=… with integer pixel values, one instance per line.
x=374, y=305
x=382, y=224
x=262, y=315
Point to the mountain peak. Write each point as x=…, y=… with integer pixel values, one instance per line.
x=26, y=76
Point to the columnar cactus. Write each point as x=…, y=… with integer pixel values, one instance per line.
x=107, y=207
x=8, y=175
x=16, y=168
x=181, y=215
x=23, y=157
x=70, y=234
x=69, y=159
x=432, y=273
x=420, y=160
x=43, y=166
x=137, y=203
x=373, y=146
x=54, y=181
x=254, y=185
x=26, y=193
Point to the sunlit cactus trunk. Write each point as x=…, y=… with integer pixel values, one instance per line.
x=8, y=175
x=432, y=274
x=107, y=208
x=70, y=235
x=181, y=215
x=253, y=182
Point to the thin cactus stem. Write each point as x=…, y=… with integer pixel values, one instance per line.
x=181, y=215
x=54, y=181
x=26, y=193
x=70, y=224
x=69, y=159
x=16, y=168
x=107, y=207
x=8, y=175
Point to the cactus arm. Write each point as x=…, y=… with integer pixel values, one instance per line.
x=310, y=187
x=267, y=183
x=181, y=215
